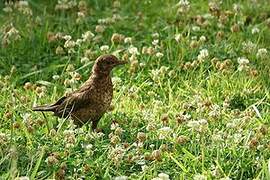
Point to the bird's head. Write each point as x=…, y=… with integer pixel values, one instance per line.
x=105, y=63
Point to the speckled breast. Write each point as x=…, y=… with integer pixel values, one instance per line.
x=105, y=98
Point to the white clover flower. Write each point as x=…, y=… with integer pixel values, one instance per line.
x=155, y=74
x=236, y=7
x=68, y=132
x=116, y=154
x=231, y=125
x=243, y=63
x=114, y=126
x=99, y=135
x=183, y=3
x=194, y=38
x=200, y=125
x=248, y=46
x=23, y=3
x=71, y=51
x=138, y=145
x=79, y=131
x=133, y=50
x=165, y=129
x=87, y=36
x=94, y=135
x=215, y=111
x=75, y=76
x=255, y=30
x=55, y=77
x=101, y=21
x=81, y=14
x=69, y=44
x=183, y=117
x=237, y=137
x=121, y=178
x=100, y=29
x=79, y=42
x=117, y=38
x=155, y=35
x=69, y=138
x=67, y=37
x=26, y=117
x=155, y=42
x=116, y=81
x=164, y=176
x=144, y=167
x=199, y=177
x=163, y=70
x=88, y=146
x=69, y=145
x=22, y=177
x=159, y=55
x=89, y=149
x=262, y=53
x=202, y=39
x=116, y=4
x=225, y=178
x=3, y=138
x=128, y=40
x=183, y=6
x=217, y=138
x=203, y=55
x=164, y=132
x=260, y=147
x=193, y=124
x=84, y=60
x=144, y=50
x=104, y=48
x=7, y=9
x=195, y=28
x=142, y=64
x=177, y=37
x=65, y=5
x=12, y=31
x=59, y=50
x=171, y=73
x=203, y=121
x=11, y=35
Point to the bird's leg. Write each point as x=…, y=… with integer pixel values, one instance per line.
x=94, y=125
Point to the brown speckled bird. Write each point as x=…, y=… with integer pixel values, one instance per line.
x=92, y=99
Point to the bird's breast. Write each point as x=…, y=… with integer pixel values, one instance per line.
x=101, y=92
x=104, y=95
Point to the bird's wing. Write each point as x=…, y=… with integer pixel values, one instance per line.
x=59, y=101
x=71, y=103
x=86, y=86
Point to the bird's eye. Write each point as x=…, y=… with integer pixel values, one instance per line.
x=109, y=62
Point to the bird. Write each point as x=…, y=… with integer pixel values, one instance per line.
x=91, y=101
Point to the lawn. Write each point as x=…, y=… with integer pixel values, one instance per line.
x=192, y=103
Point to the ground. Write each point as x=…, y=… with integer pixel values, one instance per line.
x=192, y=103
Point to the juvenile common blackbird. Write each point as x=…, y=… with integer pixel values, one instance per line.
x=92, y=99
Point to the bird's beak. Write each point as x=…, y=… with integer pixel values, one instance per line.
x=121, y=62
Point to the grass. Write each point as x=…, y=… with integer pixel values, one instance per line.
x=189, y=105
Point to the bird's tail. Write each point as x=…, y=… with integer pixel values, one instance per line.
x=44, y=108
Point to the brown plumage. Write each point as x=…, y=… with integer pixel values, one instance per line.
x=92, y=99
